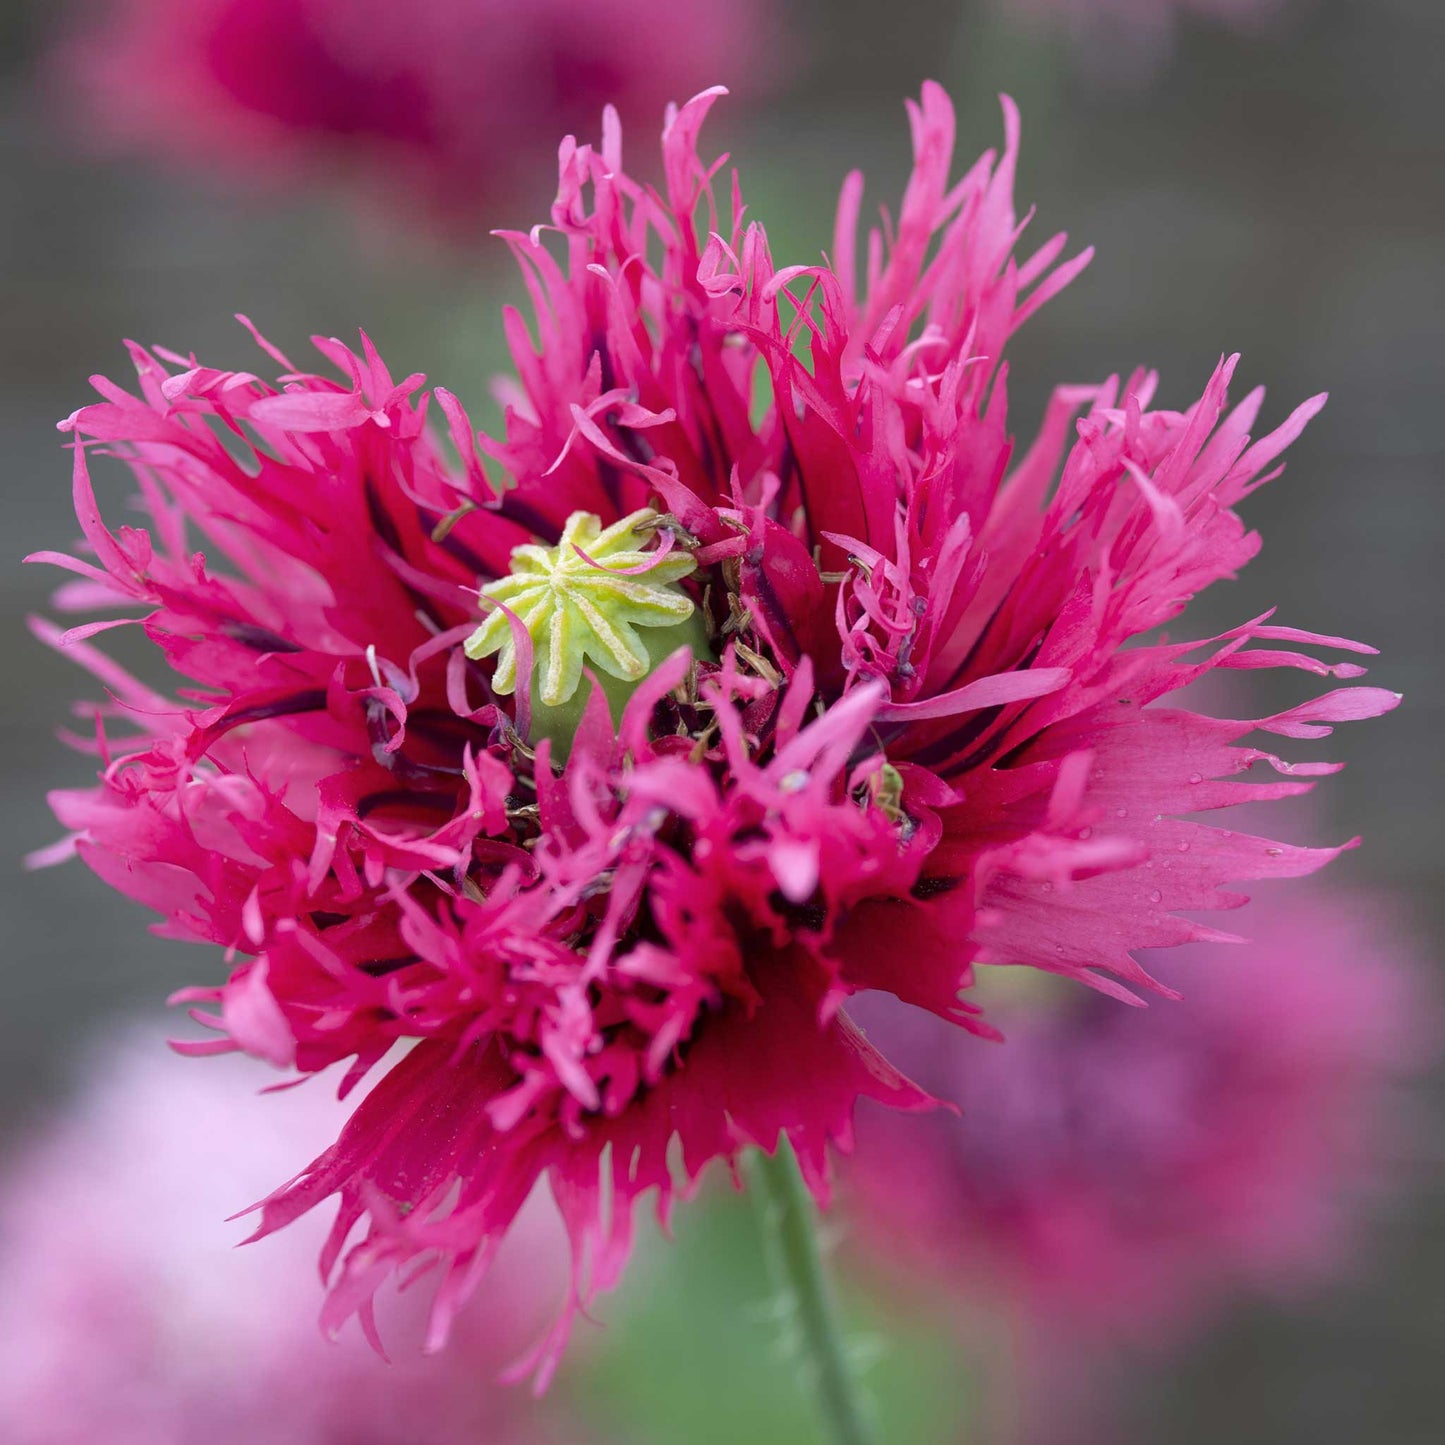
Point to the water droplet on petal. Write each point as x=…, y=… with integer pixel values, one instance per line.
x=1121, y=812
x=1184, y=847
x=1156, y=897
x=1196, y=777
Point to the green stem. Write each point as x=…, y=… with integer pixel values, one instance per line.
x=790, y=1241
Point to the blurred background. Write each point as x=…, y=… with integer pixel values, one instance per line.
x=1261, y=177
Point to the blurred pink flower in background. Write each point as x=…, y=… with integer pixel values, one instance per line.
x=1116, y=1174
x=130, y=1318
x=456, y=103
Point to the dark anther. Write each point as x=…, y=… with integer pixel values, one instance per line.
x=261, y=638
x=927, y=888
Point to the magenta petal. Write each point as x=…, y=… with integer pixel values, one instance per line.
x=983, y=692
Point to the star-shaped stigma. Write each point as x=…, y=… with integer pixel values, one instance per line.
x=583, y=600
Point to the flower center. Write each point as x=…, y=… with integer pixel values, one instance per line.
x=604, y=597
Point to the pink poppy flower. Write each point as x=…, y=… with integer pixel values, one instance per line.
x=453, y=103
x=878, y=699
x=130, y=1318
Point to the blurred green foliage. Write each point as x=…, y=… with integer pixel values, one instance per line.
x=693, y=1350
